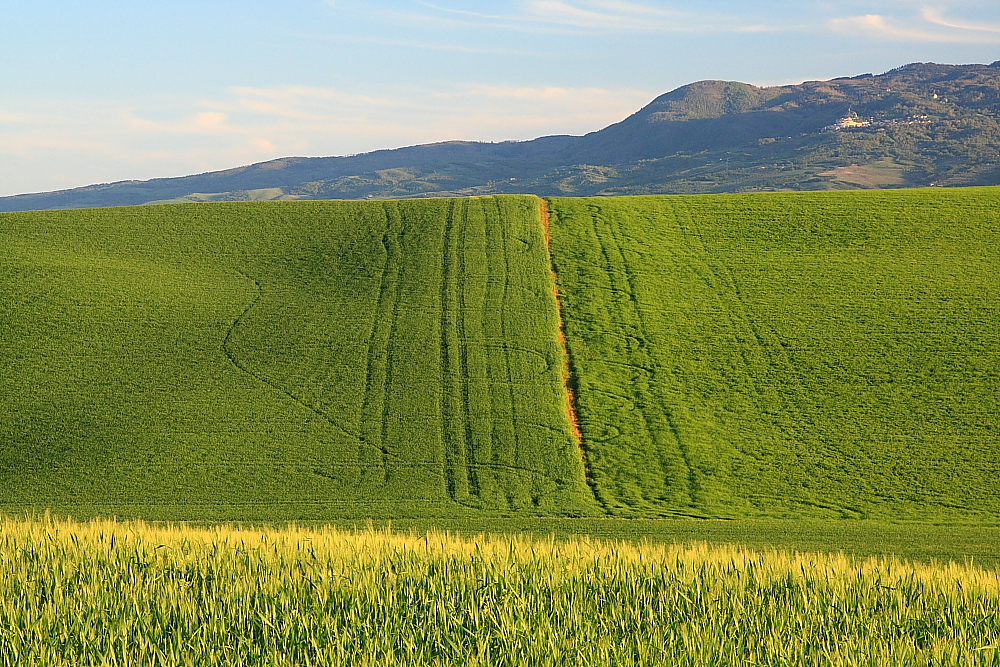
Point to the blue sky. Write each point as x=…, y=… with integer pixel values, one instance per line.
x=107, y=90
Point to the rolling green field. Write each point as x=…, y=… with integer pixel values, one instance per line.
x=284, y=360
x=124, y=594
x=803, y=355
x=821, y=356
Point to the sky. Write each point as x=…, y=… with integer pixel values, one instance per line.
x=111, y=90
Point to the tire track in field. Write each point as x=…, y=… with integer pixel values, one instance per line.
x=644, y=396
x=693, y=483
x=375, y=402
x=546, y=361
x=391, y=340
x=471, y=447
x=717, y=284
x=491, y=309
x=447, y=412
x=765, y=339
x=260, y=377
x=452, y=418
x=515, y=455
x=571, y=384
x=721, y=281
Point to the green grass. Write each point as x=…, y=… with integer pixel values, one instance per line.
x=283, y=360
x=799, y=355
x=126, y=594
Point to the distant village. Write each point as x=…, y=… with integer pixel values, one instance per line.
x=853, y=120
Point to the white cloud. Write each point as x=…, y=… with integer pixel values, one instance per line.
x=630, y=16
x=926, y=24
x=204, y=122
x=478, y=112
x=936, y=15
x=598, y=16
x=424, y=45
x=13, y=118
x=929, y=26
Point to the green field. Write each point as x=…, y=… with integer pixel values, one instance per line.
x=779, y=356
x=130, y=594
x=284, y=360
x=803, y=355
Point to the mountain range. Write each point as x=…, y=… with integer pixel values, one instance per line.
x=922, y=124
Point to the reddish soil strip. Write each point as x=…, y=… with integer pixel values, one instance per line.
x=568, y=379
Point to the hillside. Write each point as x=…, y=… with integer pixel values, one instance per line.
x=278, y=361
x=806, y=355
x=919, y=125
x=830, y=354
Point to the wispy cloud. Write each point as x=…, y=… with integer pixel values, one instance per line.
x=922, y=23
x=202, y=123
x=473, y=111
x=13, y=118
x=304, y=103
x=560, y=16
x=613, y=16
x=930, y=25
x=418, y=45
x=936, y=16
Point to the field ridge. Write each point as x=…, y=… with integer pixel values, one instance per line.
x=570, y=381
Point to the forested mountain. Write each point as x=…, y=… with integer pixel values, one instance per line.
x=919, y=125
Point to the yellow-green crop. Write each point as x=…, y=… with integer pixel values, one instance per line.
x=107, y=593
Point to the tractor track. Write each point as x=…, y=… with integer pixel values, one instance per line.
x=570, y=380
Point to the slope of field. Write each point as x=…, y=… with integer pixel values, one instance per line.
x=800, y=355
x=283, y=360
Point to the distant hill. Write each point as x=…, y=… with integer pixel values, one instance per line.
x=919, y=125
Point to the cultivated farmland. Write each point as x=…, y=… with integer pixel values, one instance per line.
x=284, y=360
x=828, y=355
x=780, y=359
